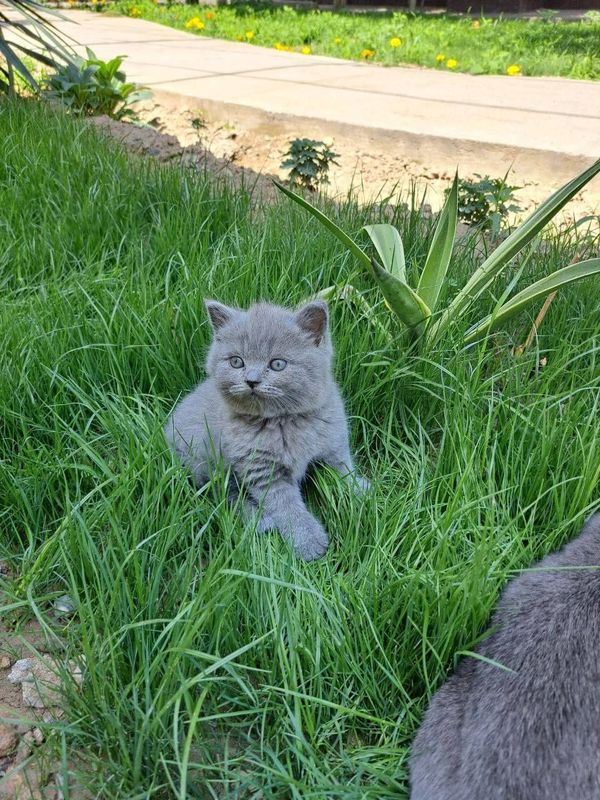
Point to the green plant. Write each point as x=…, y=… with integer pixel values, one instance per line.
x=37, y=39
x=91, y=86
x=486, y=202
x=481, y=46
x=549, y=15
x=308, y=161
x=415, y=308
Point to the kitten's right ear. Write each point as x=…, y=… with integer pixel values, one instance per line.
x=219, y=314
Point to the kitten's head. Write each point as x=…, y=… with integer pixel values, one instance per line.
x=269, y=361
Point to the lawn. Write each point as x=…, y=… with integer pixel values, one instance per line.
x=462, y=44
x=216, y=664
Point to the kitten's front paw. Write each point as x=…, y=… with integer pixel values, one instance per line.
x=310, y=539
x=262, y=521
x=265, y=523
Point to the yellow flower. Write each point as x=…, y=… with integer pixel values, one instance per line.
x=366, y=53
x=395, y=42
x=210, y=15
x=305, y=51
x=440, y=57
x=514, y=69
x=476, y=23
x=249, y=35
x=452, y=63
x=338, y=40
x=195, y=23
x=283, y=47
x=133, y=11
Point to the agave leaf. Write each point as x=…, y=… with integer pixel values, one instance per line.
x=32, y=27
x=389, y=245
x=328, y=223
x=6, y=49
x=505, y=252
x=436, y=266
x=406, y=304
x=537, y=290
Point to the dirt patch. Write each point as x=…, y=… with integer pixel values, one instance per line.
x=177, y=130
x=29, y=766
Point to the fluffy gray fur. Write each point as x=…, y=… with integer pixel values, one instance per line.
x=267, y=424
x=533, y=733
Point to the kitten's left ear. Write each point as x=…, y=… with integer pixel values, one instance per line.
x=312, y=319
x=219, y=314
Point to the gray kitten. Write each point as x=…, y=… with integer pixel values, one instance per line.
x=531, y=733
x=269, y=407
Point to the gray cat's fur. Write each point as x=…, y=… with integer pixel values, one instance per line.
x=269, y=434
x=534, y=733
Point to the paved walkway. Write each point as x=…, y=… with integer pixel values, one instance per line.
x=556, y=120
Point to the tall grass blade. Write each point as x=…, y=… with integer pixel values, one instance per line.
x=541, y=288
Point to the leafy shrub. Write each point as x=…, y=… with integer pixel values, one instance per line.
x=308, y=161
x=486, y=202
x=91, y=86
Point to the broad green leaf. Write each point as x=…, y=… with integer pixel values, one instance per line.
x=388, y=243
x=537, y=290
x=436, y=266
x=495, y=263
x=406, y=305
x=330, y=224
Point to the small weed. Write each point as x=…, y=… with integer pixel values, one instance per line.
x=198, y=122
x=308, y=161
x=486, y=202
x=548, y=15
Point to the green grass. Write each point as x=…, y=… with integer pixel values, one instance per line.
x=217, y=665
x=482, y=46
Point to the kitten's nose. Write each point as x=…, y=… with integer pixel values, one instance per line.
x=252, y=384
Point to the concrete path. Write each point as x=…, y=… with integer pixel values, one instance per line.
x=548, y=126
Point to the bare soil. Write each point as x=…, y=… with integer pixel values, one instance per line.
x=174, y=129
x=29, y=764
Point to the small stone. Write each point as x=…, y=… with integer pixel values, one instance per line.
x=64, y=606
x=9, y=739
x=41, y=681
x=38, y=736
x=5, y=662
x=21, y=670
x=24, y=750
x=21, y=785
x=5, y=571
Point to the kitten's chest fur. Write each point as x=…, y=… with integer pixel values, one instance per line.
x=280, y=447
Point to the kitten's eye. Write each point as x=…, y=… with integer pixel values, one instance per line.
x=278, y=364
x=236, y=362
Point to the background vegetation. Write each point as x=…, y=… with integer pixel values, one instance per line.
x=216, y=664
x=488, y=46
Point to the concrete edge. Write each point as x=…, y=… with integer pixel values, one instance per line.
x=434, y=152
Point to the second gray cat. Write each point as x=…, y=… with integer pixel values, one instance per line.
x=530, y=731
x=269, y=408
